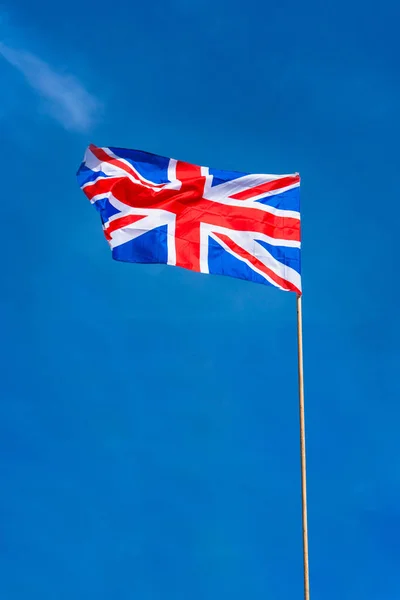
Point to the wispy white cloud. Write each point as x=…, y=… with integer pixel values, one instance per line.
x=66, y=98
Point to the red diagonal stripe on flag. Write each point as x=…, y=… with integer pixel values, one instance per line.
x=120, y=223
x=269, y=186
x=283, y=283
x=120, y=164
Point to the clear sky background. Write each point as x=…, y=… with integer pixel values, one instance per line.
x=148, y=415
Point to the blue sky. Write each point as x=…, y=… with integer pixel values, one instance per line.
x=148, y=423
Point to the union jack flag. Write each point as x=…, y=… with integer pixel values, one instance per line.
x=160, y=210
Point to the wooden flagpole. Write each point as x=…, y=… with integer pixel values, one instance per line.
x=303, y=448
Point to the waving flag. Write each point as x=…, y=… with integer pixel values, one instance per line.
x=160, y=210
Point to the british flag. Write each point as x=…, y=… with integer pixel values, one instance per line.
x=160, y=210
